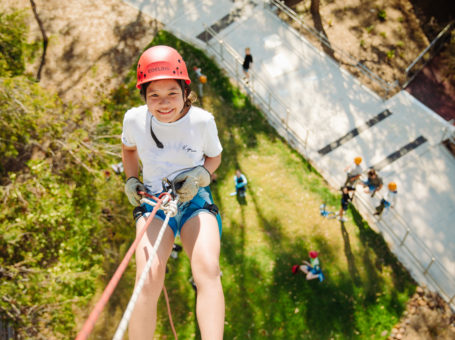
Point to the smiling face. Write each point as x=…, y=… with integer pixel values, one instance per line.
x=165, y=100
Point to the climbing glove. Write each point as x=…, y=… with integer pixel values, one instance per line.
x=132, y=186
x=188, y=182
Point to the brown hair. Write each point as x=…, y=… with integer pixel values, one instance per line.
x=191, y=97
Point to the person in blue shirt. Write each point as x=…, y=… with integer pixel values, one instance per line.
x=240, y=183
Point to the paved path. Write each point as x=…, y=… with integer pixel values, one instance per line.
x=339, y=119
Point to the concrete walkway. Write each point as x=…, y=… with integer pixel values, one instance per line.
x=338, y=118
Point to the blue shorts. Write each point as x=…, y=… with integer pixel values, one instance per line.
x=385, y=203
x=316, y=271
x=199, y=204
x=370, y=186
x=344, y=205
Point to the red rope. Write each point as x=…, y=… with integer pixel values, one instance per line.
x=169, y=312
x=91, y=320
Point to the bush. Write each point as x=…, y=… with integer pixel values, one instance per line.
x=12, y=39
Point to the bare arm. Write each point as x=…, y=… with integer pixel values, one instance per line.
x=212, y=163
x=130, y=160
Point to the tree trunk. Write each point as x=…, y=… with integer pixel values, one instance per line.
x=315, y=6
x=45, y=40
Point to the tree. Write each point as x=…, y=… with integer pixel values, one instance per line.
x=315, y=7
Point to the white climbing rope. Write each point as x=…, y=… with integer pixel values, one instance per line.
x=170, y=207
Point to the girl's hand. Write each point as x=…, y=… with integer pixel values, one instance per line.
x=132, y=186
x=188, y=182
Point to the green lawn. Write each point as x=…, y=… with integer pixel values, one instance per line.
x=365, y=288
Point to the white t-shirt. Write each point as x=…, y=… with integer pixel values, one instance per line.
x=391, y=197
x=354, y=170
x=186, y=143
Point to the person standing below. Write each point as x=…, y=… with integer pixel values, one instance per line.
x=240, y=183
x=353, y=172
x=373, y=182
x=247, y=61
x=389, y=199
x=346, y=197
x=174, y=140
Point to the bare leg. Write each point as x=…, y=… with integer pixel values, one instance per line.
x=341, y=213
x=311, y=276
x=304, y=268
x=201, y=241
x=143, y=319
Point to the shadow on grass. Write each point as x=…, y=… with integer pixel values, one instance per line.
x=374, y=241
x=353, y=271
x=239, y=308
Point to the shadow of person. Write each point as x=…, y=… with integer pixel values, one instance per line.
x=241, y=199
x=353, y=271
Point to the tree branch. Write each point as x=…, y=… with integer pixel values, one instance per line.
x=45, y=40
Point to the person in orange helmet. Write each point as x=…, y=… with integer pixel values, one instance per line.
x=353, y=172
x=174, y=140
x=389, y=199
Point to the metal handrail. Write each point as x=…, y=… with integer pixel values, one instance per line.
x=401, y=242
x=239, y=61
x=386, y=86
x=422, y=54
x=275, y=118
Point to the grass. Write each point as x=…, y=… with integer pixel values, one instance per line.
x=366, y=288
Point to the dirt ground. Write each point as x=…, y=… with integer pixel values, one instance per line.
x=384, y=35
x=92, y=45
x=432, y=88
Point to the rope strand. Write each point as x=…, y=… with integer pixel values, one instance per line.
x=129, y=309
x=169, y=312
x=91, y=320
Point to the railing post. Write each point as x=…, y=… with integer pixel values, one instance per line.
x=404, y=238
x=306, y=140
x=429, y=265
x=222, y=50
x=287, y=117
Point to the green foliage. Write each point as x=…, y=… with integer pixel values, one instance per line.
x=369, y=29
x=25, y=108
x=382, y=15
x=61, y=207
x=53, y=223
x=13, y=30
x=390, y=54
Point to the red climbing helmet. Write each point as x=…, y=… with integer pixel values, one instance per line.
x=313, y=254
x=161, y=62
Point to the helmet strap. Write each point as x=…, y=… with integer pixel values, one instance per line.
x=159, y=145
